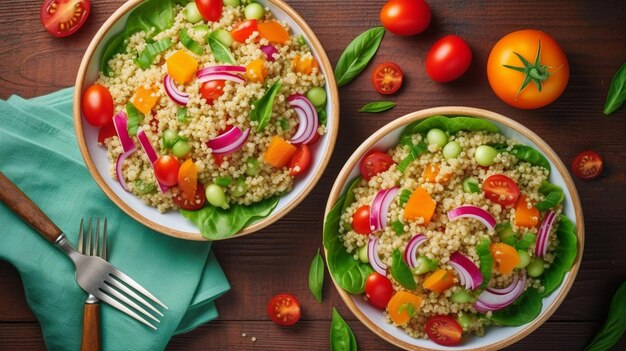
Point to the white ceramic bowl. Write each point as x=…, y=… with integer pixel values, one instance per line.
x=172, y=223
x=495, y=337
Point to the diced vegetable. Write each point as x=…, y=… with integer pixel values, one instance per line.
x=134, y=118
x=240, y=189
x=189, y=43
x=191, y=13
x=145, y=99
x=270, y=51
x=425, y=265
x=535, y=267
x=151, y=51
x=201, y=30
x=252, y=166
x=256, y=71
x=232, y=3
x=452, y=150
x=170, y=137
x=317, y=96
x=524, y=216
x=279, y=152
x=506, y=233
x=470, y=185
x=243, y=30
x=466, y=320
x=403, y=306
x=485, y=155
x=304, y=65
x=143, y=188
x=524, y=259
x=362, y=253
x=431, y=173
x=461, y=296
x=414, y=152
x=439, y=281
x=188, y=179
x=181, y=115
x=224, y=37
x=215, y=196
x=254, y=10
x=181, y=66
x=504, y=256
x=181, y=148
x=420, y=204
x=437, y=137
x=273, y=32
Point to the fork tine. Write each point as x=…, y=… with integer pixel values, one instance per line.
x=87, y=250
x=80, y=236
x=128, y=280
x=111, y=301
x=103, y=247
x=123, y=298
x=94, y=249
x=132, y=294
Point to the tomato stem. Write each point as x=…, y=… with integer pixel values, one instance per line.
x=533, y=72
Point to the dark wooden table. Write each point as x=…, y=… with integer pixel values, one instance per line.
x=592, y=33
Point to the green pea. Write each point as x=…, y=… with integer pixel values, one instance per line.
x=466, y=320
x=362, y=252
x=252, y=166
x=240, y=189
x=191, y=13
x=224, y=37
x=461, y=296
x=485, y=155
x=470, y=185
x=215, y=196
x=535, y=267
x=317, y=96
x=181, y=148
x=254, y=11
x=425, y=265
x=452, y=150
x=232, y=3
x=437, y=137
x=170, y=137
x=524, y=259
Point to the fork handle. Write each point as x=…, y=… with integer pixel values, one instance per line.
x=24, y=207
x=91, y=327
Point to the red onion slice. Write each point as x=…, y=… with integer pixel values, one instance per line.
x=372, y=254
x=207, y=77
x=544, y=233
x=221, y=68
x=380, y=208
x=410, y=252
x=269, y=51
x=469, y=273
x=228, y=142
x=491, y=300
x=307, y=119
x=118, y=168
x=172, y=91
x=120, y=123
x=152, y=155
x=470, y=211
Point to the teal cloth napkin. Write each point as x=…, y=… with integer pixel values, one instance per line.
x=39, y=153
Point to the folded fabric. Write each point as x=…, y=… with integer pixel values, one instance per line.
x=39, y=153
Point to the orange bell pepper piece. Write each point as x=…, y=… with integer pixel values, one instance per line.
x=524, y=216
x=181, y=67
x=505, y=257
x=420, y=204
x=403, y=306
x=273, y=31
x=188, y=179
x=432, y=171
x=256, y=71
x=145, y=99
x=279, y=152
x=304, y=65
x=439, y=281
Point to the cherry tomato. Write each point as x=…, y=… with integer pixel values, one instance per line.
x=243, y=30
x=64, y=17
x=387, y=78
x=405, y=17
x=448, y=59
x=166, y=170
x=98, y=105
x=361, y=220
x=501, y=189
x=106, y=132
x=374, y=163
x=212, y=90
x=190, y=205
x=444, y=330
x=587, y=165
x=211, y=10
x=378, y=290
x=300, y=161
x=548, y=80
x=284, y=309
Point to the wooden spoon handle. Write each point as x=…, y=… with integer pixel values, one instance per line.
x=19, y=203
x=91, y=327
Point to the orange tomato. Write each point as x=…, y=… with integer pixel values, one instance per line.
x=524, y=216
x=304, y=65
x=432, y=171
x=256, y=71
x=188, y=179
x=439, y=281
x=273, y=32
x=505, y=257
x=403, y=306
x=548, y=72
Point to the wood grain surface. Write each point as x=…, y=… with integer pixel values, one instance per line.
x=592, y=33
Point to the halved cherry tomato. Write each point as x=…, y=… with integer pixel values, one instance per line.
x=284, y=309
x=98, y=105
x=444, y=330
x=501, y=189
x=188, y=179
x=64, y=17
x=212, y=90
x=387, y=78
x=505, y=257
x=448, y=59
x=361, y=220
x=524, y=216
x=243, y=30
x=166, y=170
x=375, y=163
x=300, y=161
x=211, y=10
x=587, y=165
x=405, y=17
x=190, y=205
x=378, y=290
x=106, y=132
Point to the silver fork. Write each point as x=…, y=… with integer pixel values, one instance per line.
x=93, y=274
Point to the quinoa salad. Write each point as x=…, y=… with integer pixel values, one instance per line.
x=454, y=229
x=214, y=110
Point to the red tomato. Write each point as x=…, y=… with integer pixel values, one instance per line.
x=106, y=132
x=212, y=90
x=166, y=170
x=361, y=220
x=405, y=17
x=64, y=17
x=444, y=330
x=587, y=165
x=387, y=78
x=211, y=10
x=374, y=163
x=193, y=205
x=501, y=189
x=448, y=59
x=243, y=30
x=284, y=309
x=378, y=290
x=98, y=105
x=300, y=161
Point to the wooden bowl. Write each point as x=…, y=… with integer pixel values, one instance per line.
x=495, y=337
x=172, y=223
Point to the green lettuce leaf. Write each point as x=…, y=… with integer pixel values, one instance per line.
x=554, y=196
x=564, y=256
x=524, y=310
x=486, y=261
x=451, y=125
x=401, y=272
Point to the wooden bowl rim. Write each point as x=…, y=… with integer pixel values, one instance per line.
x=196, y=236
x=342, y=178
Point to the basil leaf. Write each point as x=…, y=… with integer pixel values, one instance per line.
x=524, y=310
x=564, y=256
x=615, y=324
x=526, y=154
x=151, y=51
x=216, y=223
x=415, y=151
x=134, y=118
x=189, y=43
x=617, y=91
x=358, y=54
x=401, y=272
x=341, y=336
x=486, y=261
x=452, y=125
x=220, y=51
x=316, y=276
x=262, y=111
x=350, y=197
x=378, y=106
x=554, y=196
